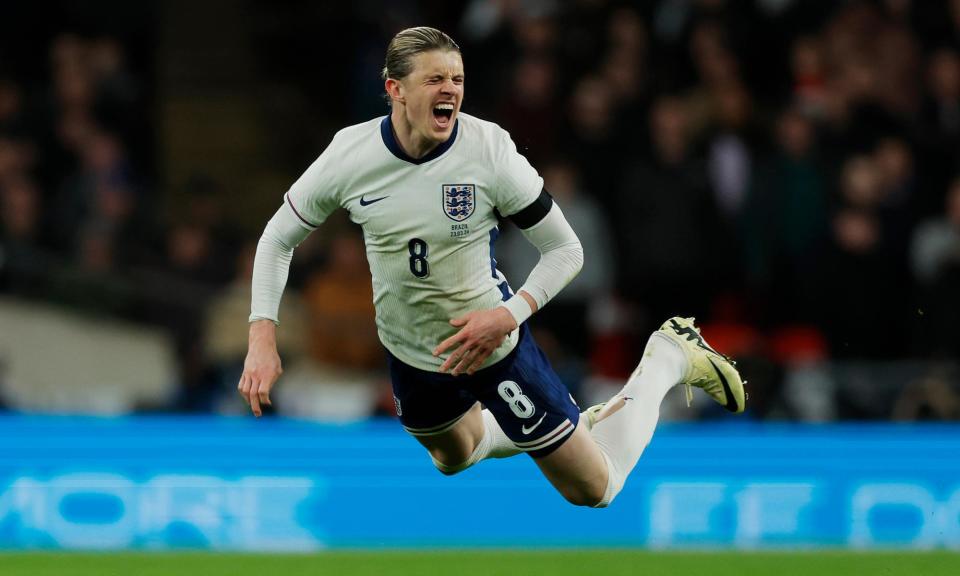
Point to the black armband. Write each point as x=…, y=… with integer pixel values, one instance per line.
x=535, y=212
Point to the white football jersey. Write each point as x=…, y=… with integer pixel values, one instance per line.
x=429, y=224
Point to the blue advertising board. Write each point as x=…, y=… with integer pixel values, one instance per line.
x=283, y=485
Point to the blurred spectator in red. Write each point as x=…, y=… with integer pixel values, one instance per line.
x=809, y=76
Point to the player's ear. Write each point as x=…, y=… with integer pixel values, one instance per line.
x=394, y=89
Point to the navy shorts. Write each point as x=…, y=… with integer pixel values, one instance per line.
x=525, y=395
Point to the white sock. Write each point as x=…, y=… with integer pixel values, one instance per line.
x=494, y=444
x=500, y=446
x=623, y=435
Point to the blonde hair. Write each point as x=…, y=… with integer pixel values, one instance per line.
x=410, y=42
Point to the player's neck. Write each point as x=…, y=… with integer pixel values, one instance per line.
x=412, y=144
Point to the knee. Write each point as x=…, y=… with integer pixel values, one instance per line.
x=449, y=464
x=588, y=495
x=449, y=470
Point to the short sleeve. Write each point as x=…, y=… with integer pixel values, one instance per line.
x=518, y=183
x=316, y=193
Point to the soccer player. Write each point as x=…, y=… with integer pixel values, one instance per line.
x=426, y=183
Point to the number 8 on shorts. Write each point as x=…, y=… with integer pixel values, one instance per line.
x=521, y=405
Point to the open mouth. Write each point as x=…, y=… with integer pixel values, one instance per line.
x=442, y=113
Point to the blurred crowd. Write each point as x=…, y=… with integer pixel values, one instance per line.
x=788, y=172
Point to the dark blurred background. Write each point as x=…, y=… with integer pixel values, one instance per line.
x=788, y=172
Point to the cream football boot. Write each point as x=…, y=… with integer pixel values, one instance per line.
x=707, y=369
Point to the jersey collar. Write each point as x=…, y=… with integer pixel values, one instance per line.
x=390, y=141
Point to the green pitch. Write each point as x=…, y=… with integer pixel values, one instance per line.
x=487, y=563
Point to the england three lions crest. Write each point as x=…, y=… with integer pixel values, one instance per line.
x=459, y=200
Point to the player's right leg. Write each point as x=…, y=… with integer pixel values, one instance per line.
x=452, y=448
x=445, y=418
x=476, y=437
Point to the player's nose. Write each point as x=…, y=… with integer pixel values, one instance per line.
x=448, y=87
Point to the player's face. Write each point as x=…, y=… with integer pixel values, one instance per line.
x=432, y=94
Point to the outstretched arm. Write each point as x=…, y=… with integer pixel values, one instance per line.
x=270, y=270
x=482, y=332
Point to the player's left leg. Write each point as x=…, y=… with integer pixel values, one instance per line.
x=591, y=468
x=577, y=469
